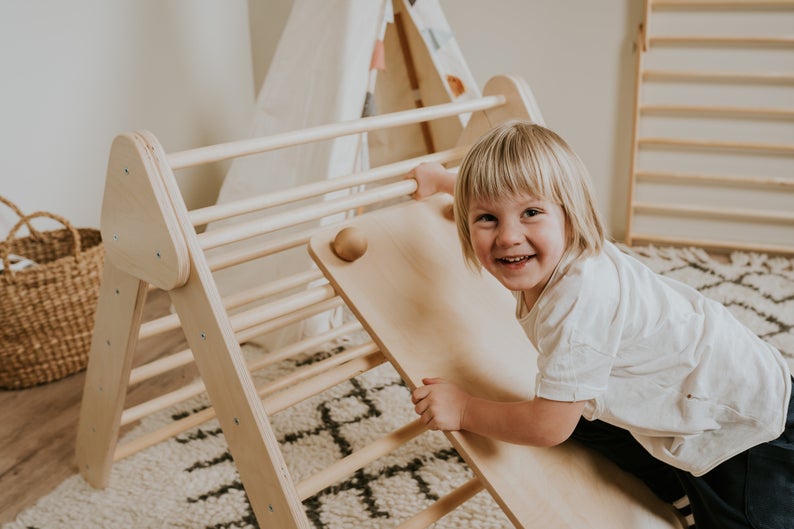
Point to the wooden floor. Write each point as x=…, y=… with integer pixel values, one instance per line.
x=38, y=425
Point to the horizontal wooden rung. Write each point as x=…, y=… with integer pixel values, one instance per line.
x=277, y=320
x=139, y=411
x=714, y=179
x=774, y=113
x=718, y=77
x=710, y=244
x=272, y=404
x=256, y=293
x=772, y=148
x=246, y=230
x=224, y=151
x=359, y=459
x=234, y=256
x=782, y=217
x=722, y=4
x=443, y=506
x=315, y=189
x=719, y=40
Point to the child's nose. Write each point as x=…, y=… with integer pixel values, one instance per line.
x=509, y=234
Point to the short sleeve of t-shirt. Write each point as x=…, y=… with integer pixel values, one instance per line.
x=572, y=327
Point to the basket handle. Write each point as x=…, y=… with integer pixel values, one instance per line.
x=33, y=231
x=8, y=274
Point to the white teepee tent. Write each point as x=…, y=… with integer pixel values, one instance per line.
x=336, y=61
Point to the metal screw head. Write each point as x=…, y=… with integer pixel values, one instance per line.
x=126, y=171
x=203, y=336
x=270, y=507
x=115, y=236
x=236, y=421
x=157, y=253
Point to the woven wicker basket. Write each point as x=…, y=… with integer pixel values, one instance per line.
x=47, y=310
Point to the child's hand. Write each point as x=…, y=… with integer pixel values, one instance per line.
x=442, y=405
x=430, y=179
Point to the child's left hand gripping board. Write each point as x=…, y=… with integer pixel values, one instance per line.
x=401, y=272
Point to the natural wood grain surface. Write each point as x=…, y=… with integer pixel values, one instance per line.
x=433, y=317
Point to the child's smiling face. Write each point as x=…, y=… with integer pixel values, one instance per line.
x=519, y=239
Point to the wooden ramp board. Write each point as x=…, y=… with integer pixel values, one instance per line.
x=432, y=316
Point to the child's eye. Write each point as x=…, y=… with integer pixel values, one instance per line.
x=485, y=217
x=531, y=212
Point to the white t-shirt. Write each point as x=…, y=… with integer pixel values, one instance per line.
x=653, y=356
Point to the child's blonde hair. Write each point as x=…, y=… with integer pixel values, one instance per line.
x=522, y=157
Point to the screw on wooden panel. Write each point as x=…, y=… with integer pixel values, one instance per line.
x=203, y=336
x=270, y=507
x=118, y=291
x=236, y=421
x=157, y=253
x=107, y=342
x=115, y=236
x=126, y=171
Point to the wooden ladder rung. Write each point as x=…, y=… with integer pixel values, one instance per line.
x=259, y=292
x=137, y=412
x=223, y=151
x=719, y=40
x=715, y=179
x=775, y=148
x=443, y=506
x=272, y=403
x=749, y=112
x=278, y=198
x=247, y=230
x=184, y=357
x=718, y=77
x=359, y=459
x=751, y=215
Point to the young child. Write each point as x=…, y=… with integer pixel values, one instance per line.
x=646, y=370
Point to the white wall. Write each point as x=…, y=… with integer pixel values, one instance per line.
x=75, y=74
x=577, y=56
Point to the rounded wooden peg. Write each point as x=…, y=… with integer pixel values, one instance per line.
x=349, y=244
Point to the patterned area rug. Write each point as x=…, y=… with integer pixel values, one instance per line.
x=190, y=481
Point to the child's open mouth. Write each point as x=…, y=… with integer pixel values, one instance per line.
x=514, y=260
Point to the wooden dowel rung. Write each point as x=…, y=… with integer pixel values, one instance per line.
x=246, y=230
x=223, y=151
x=288, y=319
x=723, y=4
x=711, y=244
x=443, y=506
x=234, y=256
x=322, y=382
x=268, y=311
x=173, y=361
x=776, y=148
x=359, y=459
x=749, y=181
x=719, y=77
x=723, y=111
x=719, y=40
x=135, y=413
x=715, y=213
x=242, y=231
x=295, y=348
x=278, y=198
x=314, y=369
x=171, y=321
x=139, y=411
x=160, y=366
x=273, y=404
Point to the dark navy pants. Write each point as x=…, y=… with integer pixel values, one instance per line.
x=754, y=489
